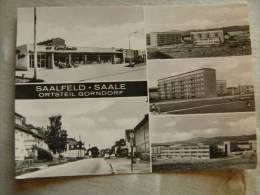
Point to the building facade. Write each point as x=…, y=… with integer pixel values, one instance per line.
x=141, y=139
x=232, y=91
x=221, y=87
x=246, y=89
x=74, y=149
x=28, y=141
x=181, y=151
x=234, y=148
x=155, y=39
x=54, y=52
x=207, y=37
x=199, y=83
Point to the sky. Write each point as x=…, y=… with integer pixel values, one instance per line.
x=194, y=17
x=234, y=69
x=183, y=127
x=98, y=121
x=84, y=26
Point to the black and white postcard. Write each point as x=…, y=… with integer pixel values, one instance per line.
x=120, y=90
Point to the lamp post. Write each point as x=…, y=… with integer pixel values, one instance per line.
x=132, y=135
x=129, y=44
x=35, y=44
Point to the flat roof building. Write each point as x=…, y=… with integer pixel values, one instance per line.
x=155, y=39
x=246, y=89
x=232, y=91
x=207, y=37
x=141, y=139
x=199, y=83
x=221, y=87
x=52, y=52
x=181, y=151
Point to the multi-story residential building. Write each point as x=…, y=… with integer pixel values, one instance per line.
x=39, y=137
x=245, y=89
x=156, y=151
x=141, y=139
x=28, y=140
x=232, y=91
x=207, y=37
x=221, y=87
x=181, y=151
x=199, y=83
x=24, y=139
x=155, y=39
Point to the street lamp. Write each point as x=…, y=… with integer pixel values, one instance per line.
x=132, y=135
x=35, y=45
x=129, y=44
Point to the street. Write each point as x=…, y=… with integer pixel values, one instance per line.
x=123, y=165
x=90, y=72
x=81, y=167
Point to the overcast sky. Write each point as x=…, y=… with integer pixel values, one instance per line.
x=183, y=127
x=194, y=17
x=99, y=121
x=234, y=69
x=85, y=26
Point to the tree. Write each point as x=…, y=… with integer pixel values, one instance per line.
x=56, y=137
x=94, y=151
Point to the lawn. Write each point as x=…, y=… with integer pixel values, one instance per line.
x=206, y=106
x=188, y=50
x=216, y=164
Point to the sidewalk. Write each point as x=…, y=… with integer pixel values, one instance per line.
x=123, y=165
x=90, y=72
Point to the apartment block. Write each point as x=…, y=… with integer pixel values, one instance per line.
x=221, y=87
x=200, y=83
x=181, y=151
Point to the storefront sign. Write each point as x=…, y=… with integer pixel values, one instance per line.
x=60, y=48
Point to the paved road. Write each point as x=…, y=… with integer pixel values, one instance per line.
x=94, y=72
x=82, y=167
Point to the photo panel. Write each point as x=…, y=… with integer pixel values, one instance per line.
x=81, y=137
x=210, y=31
x=219, y=141
x=92, y=44
x=201, y=85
